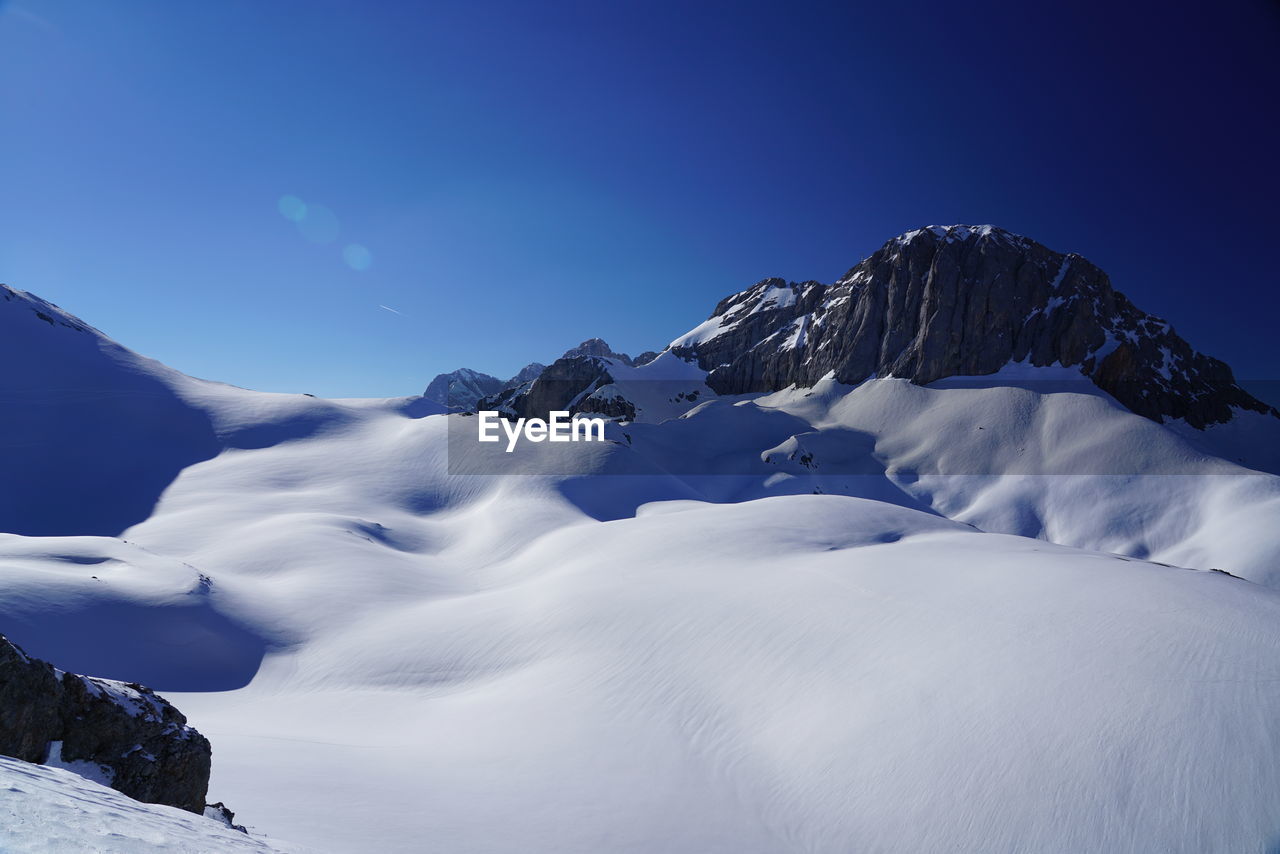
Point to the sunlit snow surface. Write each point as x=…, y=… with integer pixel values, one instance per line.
x=668, y=643
x=46, y=810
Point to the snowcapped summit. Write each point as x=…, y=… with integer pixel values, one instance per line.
x=947, y=301
x=528, y=372
x=596, y=347
x=953, y=233
x=464, y=387
x=461, y=387
x=600, y=349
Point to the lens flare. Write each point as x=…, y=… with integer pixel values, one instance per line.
x=292, y=208
x=357, y=257
x=319, y=224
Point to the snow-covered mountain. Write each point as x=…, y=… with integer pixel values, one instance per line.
x=783, y=608
x=962, y=301
x=935, y=303
x=600, y=348
x=467, y=390
x=953, y=301
x=464, y=386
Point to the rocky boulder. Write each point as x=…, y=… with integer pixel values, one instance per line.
x=122, y=734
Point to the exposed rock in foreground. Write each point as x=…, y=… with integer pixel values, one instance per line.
x=121, y=734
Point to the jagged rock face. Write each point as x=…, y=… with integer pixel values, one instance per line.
x=569, y=384
x=960, y=301
x=597, y=347
x=576, y=382
x=560, y=385
x=138, y=740
x=645, y=358
x=527, y=373
x=222, y=814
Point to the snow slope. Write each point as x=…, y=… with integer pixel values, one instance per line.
x=91, y=433
x=47, y=810
x=700, y=677
x=1030, y=451
x=665, y=642
x=804, y=673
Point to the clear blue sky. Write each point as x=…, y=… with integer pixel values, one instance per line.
x=524, y=175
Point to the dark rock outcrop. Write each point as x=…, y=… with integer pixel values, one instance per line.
x=645, y=358
x=527, y=373
x=570, y=384
x=577, y=382
x=128, y=735
x=560, y=386
x=597, y=347
x=961, y=301
x=222, y=814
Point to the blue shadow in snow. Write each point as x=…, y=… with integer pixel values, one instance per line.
x=167, y=648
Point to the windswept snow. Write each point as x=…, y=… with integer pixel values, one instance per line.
x=92, y=771
x=805, y=673
x=49, y=810
x=480, y=660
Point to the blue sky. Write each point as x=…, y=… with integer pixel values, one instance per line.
x=523, y=175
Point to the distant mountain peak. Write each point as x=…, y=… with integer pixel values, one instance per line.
x=932, y=303
x=463, y=388
x=527, y=373
x=596, y=347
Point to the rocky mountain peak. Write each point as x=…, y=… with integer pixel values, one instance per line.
x=596, y=347
x=960, y=300
x=580, y=366
x=527, y=373
x=461, y=387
